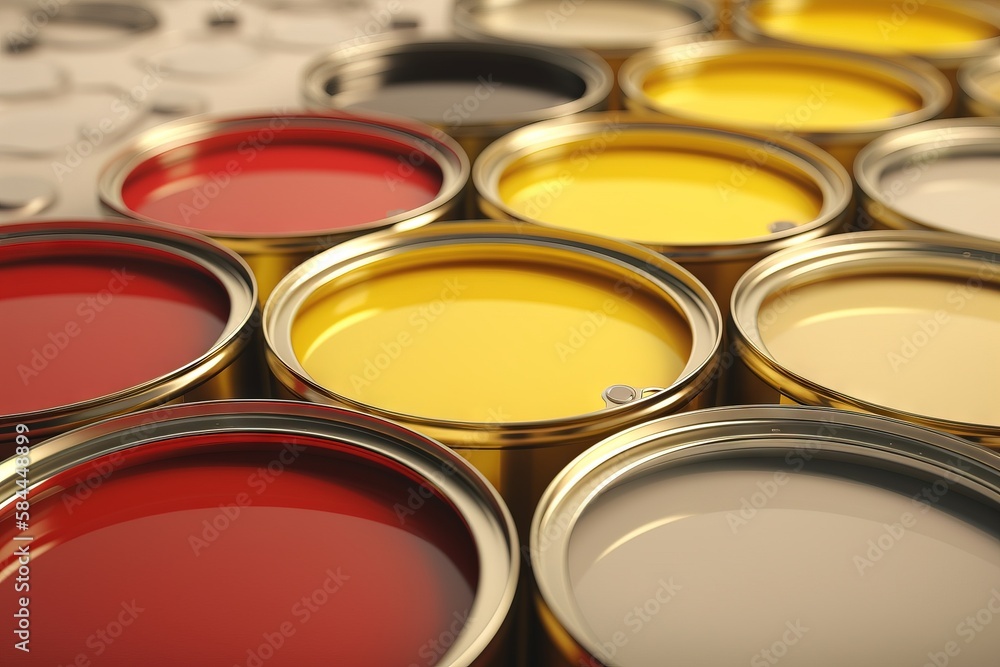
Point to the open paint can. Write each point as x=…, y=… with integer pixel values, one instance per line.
x=474, y=91
x=615, y=29
x=902, y=324
x=515, y=345
x=839, y=101
x=771, y=535
x=979, y=81
x=103, y=318
x=946, y=34
x=714, y=200
x=280, y=188
x=940, y=175
x=260, y=532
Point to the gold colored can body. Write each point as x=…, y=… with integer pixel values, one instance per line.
x=980, y=84
x=836, y=100
x=474, y=91
x=900, y=324
x=206, y=157
x=516, y=346
x=660, y=538
x=615, y=29
x=947, y=34
x=228, y=363
x=940, y=175
x=714, y=200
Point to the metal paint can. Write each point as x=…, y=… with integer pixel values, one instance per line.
x=615, y=29
x=280, y=188
x=714, y=200
x=285, y=531
x=947, y=34
x=517, y=346
x=939, y=175
x=103, y=318
x=474, y=91
x=792, y=532
x=836, y=100
x=979, y=81
x=901, y=324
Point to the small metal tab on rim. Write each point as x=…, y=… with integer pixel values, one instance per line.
x=781, y=226
x=621, y=394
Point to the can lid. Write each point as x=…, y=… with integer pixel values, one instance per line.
x=96, y=24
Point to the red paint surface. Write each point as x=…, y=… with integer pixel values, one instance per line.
x=86, y=320
x=300, y=181
x=309, y=564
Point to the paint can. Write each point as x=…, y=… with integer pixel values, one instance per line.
x=836, y=100
x=901, y=324
x=280, y=188
x=102, y=318
x=794, y=533
x=714, y=200
x=263, y=532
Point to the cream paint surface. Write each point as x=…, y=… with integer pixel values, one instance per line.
x=767, y=90
x=927, y=346
x=666, y=566
x=587, y=23
x=956, y=194
x=658, y=196
x=489, y=341
x=877, y=26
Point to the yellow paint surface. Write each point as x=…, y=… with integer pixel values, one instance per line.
x=874, y=26
x=659, y=195
x=922, y=345
x=772, y=92
x=489, y=340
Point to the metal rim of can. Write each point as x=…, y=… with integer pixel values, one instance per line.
x=472, y=497
x=359, y=62
x=716, y=434
x=227, y=267
x=806, y=161
x=854, y=254
x=977, y=98
x=936, y=139
x=912, y=73
x=442, y=150
x=694, y=304
x=747, y=29
x=466, y=23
